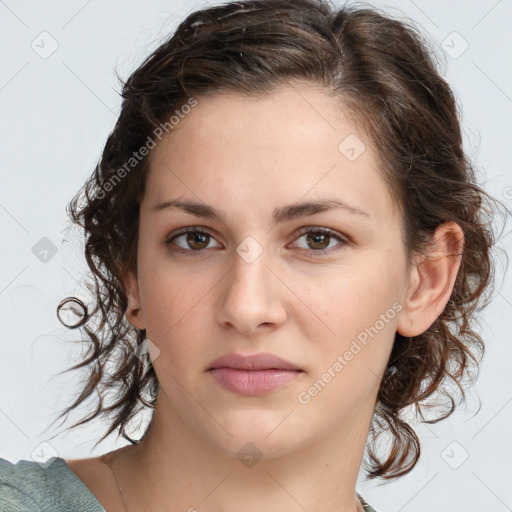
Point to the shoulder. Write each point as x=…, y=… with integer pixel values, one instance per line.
x=27, y=486
x=16, y=486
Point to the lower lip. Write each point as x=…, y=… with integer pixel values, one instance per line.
x=253, y=382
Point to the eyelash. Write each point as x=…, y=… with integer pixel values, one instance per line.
x=204, y=231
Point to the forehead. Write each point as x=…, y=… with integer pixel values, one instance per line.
x=296, y=143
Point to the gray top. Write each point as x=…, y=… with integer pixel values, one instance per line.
x=28, y=486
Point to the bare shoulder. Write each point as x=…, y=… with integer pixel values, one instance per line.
x=97, y=476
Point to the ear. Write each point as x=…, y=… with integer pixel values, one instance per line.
x=134, y=309
x=432, y=280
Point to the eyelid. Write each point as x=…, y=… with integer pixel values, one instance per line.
x=342, y=239
x=183, y=231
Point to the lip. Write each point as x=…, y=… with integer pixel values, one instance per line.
x=253, y=382
x=261, y=361
x=251, y=375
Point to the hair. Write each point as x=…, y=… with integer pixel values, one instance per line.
x=384, y=73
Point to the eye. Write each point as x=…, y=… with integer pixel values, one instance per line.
x=320, y=240
x=193, y=237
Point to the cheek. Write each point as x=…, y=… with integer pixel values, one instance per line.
x=354, y=309
x=170, y=289
x=174, y=305
x=353, y=295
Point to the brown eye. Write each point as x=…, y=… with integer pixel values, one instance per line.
x=320, y=241
x=197, y=240
x=190, y=240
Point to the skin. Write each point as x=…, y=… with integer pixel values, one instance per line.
x=247, y=157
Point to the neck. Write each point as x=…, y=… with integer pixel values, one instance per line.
x=176, y=466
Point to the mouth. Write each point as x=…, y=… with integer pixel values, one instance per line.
x=254, y=362
x=253, y=382
x=254, y=374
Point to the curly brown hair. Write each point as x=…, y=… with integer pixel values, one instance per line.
x=385, y=72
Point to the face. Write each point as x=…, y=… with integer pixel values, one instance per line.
x=327, y=302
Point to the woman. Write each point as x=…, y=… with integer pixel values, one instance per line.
x=288, y=248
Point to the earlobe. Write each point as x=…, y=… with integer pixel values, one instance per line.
x=134, y=309
x=432, y=280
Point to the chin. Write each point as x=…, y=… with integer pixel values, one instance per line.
x=263, y=432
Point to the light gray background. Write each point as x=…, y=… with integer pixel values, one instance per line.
x=56, y=113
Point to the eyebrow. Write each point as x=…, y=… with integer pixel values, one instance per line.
x=282, y=214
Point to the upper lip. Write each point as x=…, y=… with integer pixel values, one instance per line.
x=261, y=361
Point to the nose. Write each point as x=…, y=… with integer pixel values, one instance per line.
x=253, y=296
